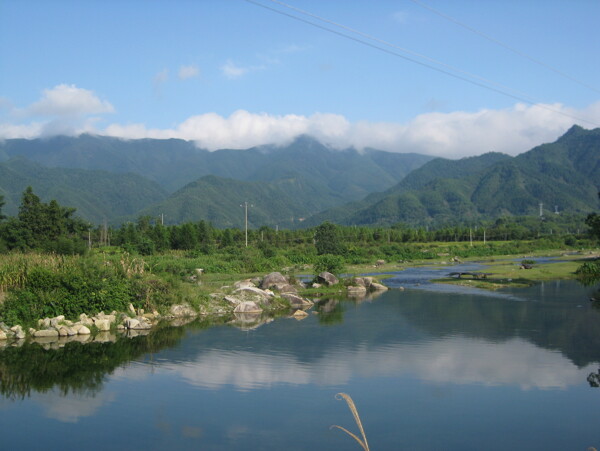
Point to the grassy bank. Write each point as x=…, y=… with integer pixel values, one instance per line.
x=509, y=271
x=34, y=286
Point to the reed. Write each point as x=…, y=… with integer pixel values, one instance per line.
x=363, y=443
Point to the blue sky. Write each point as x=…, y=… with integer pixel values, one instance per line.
x=231, y=73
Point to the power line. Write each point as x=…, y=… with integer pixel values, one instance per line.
x=500, y=89
x=506, y=46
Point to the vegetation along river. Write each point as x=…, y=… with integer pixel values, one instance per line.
x=429, y=368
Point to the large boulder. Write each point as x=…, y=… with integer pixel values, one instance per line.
x=46, y=333
x=247, y=307
x=296, y=301
x=182, y=310
x=326, y=278
x=378, y=287
x=275, y=278
x=103, y=324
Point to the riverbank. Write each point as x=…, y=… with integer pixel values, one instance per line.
x=522, y=271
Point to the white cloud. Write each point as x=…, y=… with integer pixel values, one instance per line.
x=68, y=110
x=232, y=70
x=190, y=71
x=68, y=100
x=457, y=134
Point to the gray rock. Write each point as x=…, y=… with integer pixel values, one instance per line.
x=273, y=279
x=182, y=310
x=367, y=281
x=359, y=282
x=378, y=287
x=62, y=332
x=296, y=301
x=83, y=330
x=244, y=284
x=46, y=333
x=103, y=325
x=232, y=300
x=3, y=335
x=55, y=322
x=247, y=307
x=18, y=331
x=327, y=278
x=264, y=294
x=287, y=288
x=131, y=323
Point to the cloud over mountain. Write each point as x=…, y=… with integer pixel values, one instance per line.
x=67, y=109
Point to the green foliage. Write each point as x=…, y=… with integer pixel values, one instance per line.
x=327, y=239
x=330, y=263
x=442, y=192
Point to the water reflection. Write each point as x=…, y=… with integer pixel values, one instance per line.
x=454, y=360
x=552, y=341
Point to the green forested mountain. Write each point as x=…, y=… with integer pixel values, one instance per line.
x=174, y=163
x=220, y=201
x=96, y=194
x=563, y=175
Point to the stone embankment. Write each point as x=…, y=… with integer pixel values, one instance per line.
x=246, y=300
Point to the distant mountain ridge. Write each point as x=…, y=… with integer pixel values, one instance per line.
x=97, y=195
x=173, y=163
x=563, y=175
x=309, y=175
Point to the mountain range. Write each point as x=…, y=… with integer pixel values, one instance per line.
x=300, y=184
x=562, y=176
x=176, y=179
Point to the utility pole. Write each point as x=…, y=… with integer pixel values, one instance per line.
x=246, y=219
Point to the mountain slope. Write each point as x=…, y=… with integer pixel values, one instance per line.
x=220, y=201
x=174, y=163
x=565, y=174
x=96, y=194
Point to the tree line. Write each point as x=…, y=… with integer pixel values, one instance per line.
x=50, y=227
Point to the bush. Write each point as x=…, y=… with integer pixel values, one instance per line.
x=330, y=263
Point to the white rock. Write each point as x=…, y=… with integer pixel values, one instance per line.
x=247, y=307
x=102, y=324
x=2, y=335
x=378, y=287
x=46, y=333
x=83, y=330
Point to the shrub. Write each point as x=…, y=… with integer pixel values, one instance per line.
x=330, y=263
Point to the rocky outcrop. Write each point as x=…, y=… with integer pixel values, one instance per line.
x=274, y=278
x=247, y=307
x=326, y=278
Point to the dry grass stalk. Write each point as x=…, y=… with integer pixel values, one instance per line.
x=352, y=408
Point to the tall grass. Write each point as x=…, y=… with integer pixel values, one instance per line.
x=363, y=443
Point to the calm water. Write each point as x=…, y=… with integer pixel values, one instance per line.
x=428, y=370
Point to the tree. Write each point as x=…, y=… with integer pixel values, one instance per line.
x=593, y=221
x=327, y=239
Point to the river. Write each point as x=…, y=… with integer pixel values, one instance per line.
x=429, y=368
